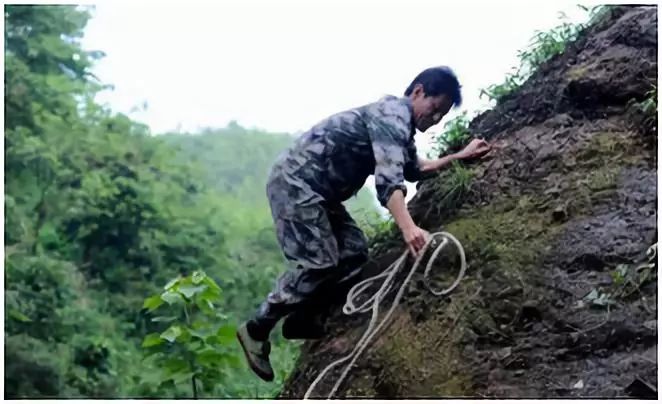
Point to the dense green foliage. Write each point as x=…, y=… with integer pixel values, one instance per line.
x=542, y=47
x=100, y=215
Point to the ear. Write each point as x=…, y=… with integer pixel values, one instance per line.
x=418, y=91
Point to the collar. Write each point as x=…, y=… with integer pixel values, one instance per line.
x=407, y=101
x=409, y=104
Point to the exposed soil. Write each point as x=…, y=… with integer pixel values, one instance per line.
x=556, y=225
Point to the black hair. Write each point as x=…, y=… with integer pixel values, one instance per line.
x=436, y=81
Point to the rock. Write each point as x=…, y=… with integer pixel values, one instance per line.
x=504, y=353
x=651, y=324
x=559, y=214
x=554, y=191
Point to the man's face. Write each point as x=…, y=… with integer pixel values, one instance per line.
x=429, y=110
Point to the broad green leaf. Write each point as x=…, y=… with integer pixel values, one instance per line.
x=212, y=340
x=199, y=324
x=164, y=319
x=172, y=297
x=172, y=333
x=185, y=336
x=167, y=383
x=174, y=366
x=202, y=334
x=17, y=315
x=172, y=283
x=233, y=360
x=212, y=285
x=592, y=296
x=195, y=345
x=186, y=281
x=622, y=269
x=152, y=340
x=226, y=334
x=209, y=358
x=211, y=294
x=204, y=305
x=189, y=291
x=151, y=351
x=198, y=276
x=180, y=377
x=603, y=300
x=152, y=303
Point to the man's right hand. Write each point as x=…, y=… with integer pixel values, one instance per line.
x=476, y=148
x=415, y=237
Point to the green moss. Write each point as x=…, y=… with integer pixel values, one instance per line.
x=510, y=236
x=511, y=232
x=609, y=148
x=415, y=366
x=601, y=161
x=504, y=245
x=602, y=179
x=577, y=72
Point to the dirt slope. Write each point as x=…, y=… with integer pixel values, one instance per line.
x=555, y=224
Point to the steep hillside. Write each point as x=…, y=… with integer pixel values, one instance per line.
x=558, y=300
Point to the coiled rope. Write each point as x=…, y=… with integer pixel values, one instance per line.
x=375, y=300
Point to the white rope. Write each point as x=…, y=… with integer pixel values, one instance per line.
x=374, y=301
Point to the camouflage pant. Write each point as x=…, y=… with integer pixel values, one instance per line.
x=322, y=243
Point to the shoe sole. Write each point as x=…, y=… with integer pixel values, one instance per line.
x=262, y=375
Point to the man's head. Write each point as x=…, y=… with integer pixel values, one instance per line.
x=433, y=92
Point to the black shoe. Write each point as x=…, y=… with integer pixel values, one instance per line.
x=257, y=354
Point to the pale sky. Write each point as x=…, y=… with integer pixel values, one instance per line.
x=285, y=65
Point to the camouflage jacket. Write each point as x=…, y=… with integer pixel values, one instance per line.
x=334, y=158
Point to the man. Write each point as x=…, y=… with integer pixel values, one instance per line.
x=326, y=166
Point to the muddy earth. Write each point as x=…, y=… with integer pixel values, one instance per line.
x=559, y=298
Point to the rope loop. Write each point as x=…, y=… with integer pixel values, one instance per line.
x=438, y=241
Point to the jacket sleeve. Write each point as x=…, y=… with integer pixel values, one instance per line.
x=389, y=130
x=412, y=170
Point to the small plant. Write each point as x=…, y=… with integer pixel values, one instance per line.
x=599, y=299
x=647, y=107
x=628, y=280
x=595, y=13
x=194, y=347
x=618, y=275
x=645, y=112
x=455, y=135
x=452, y=187
x=460, y=177
x=374, y=225
x=542, y=47
x=496, y=92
